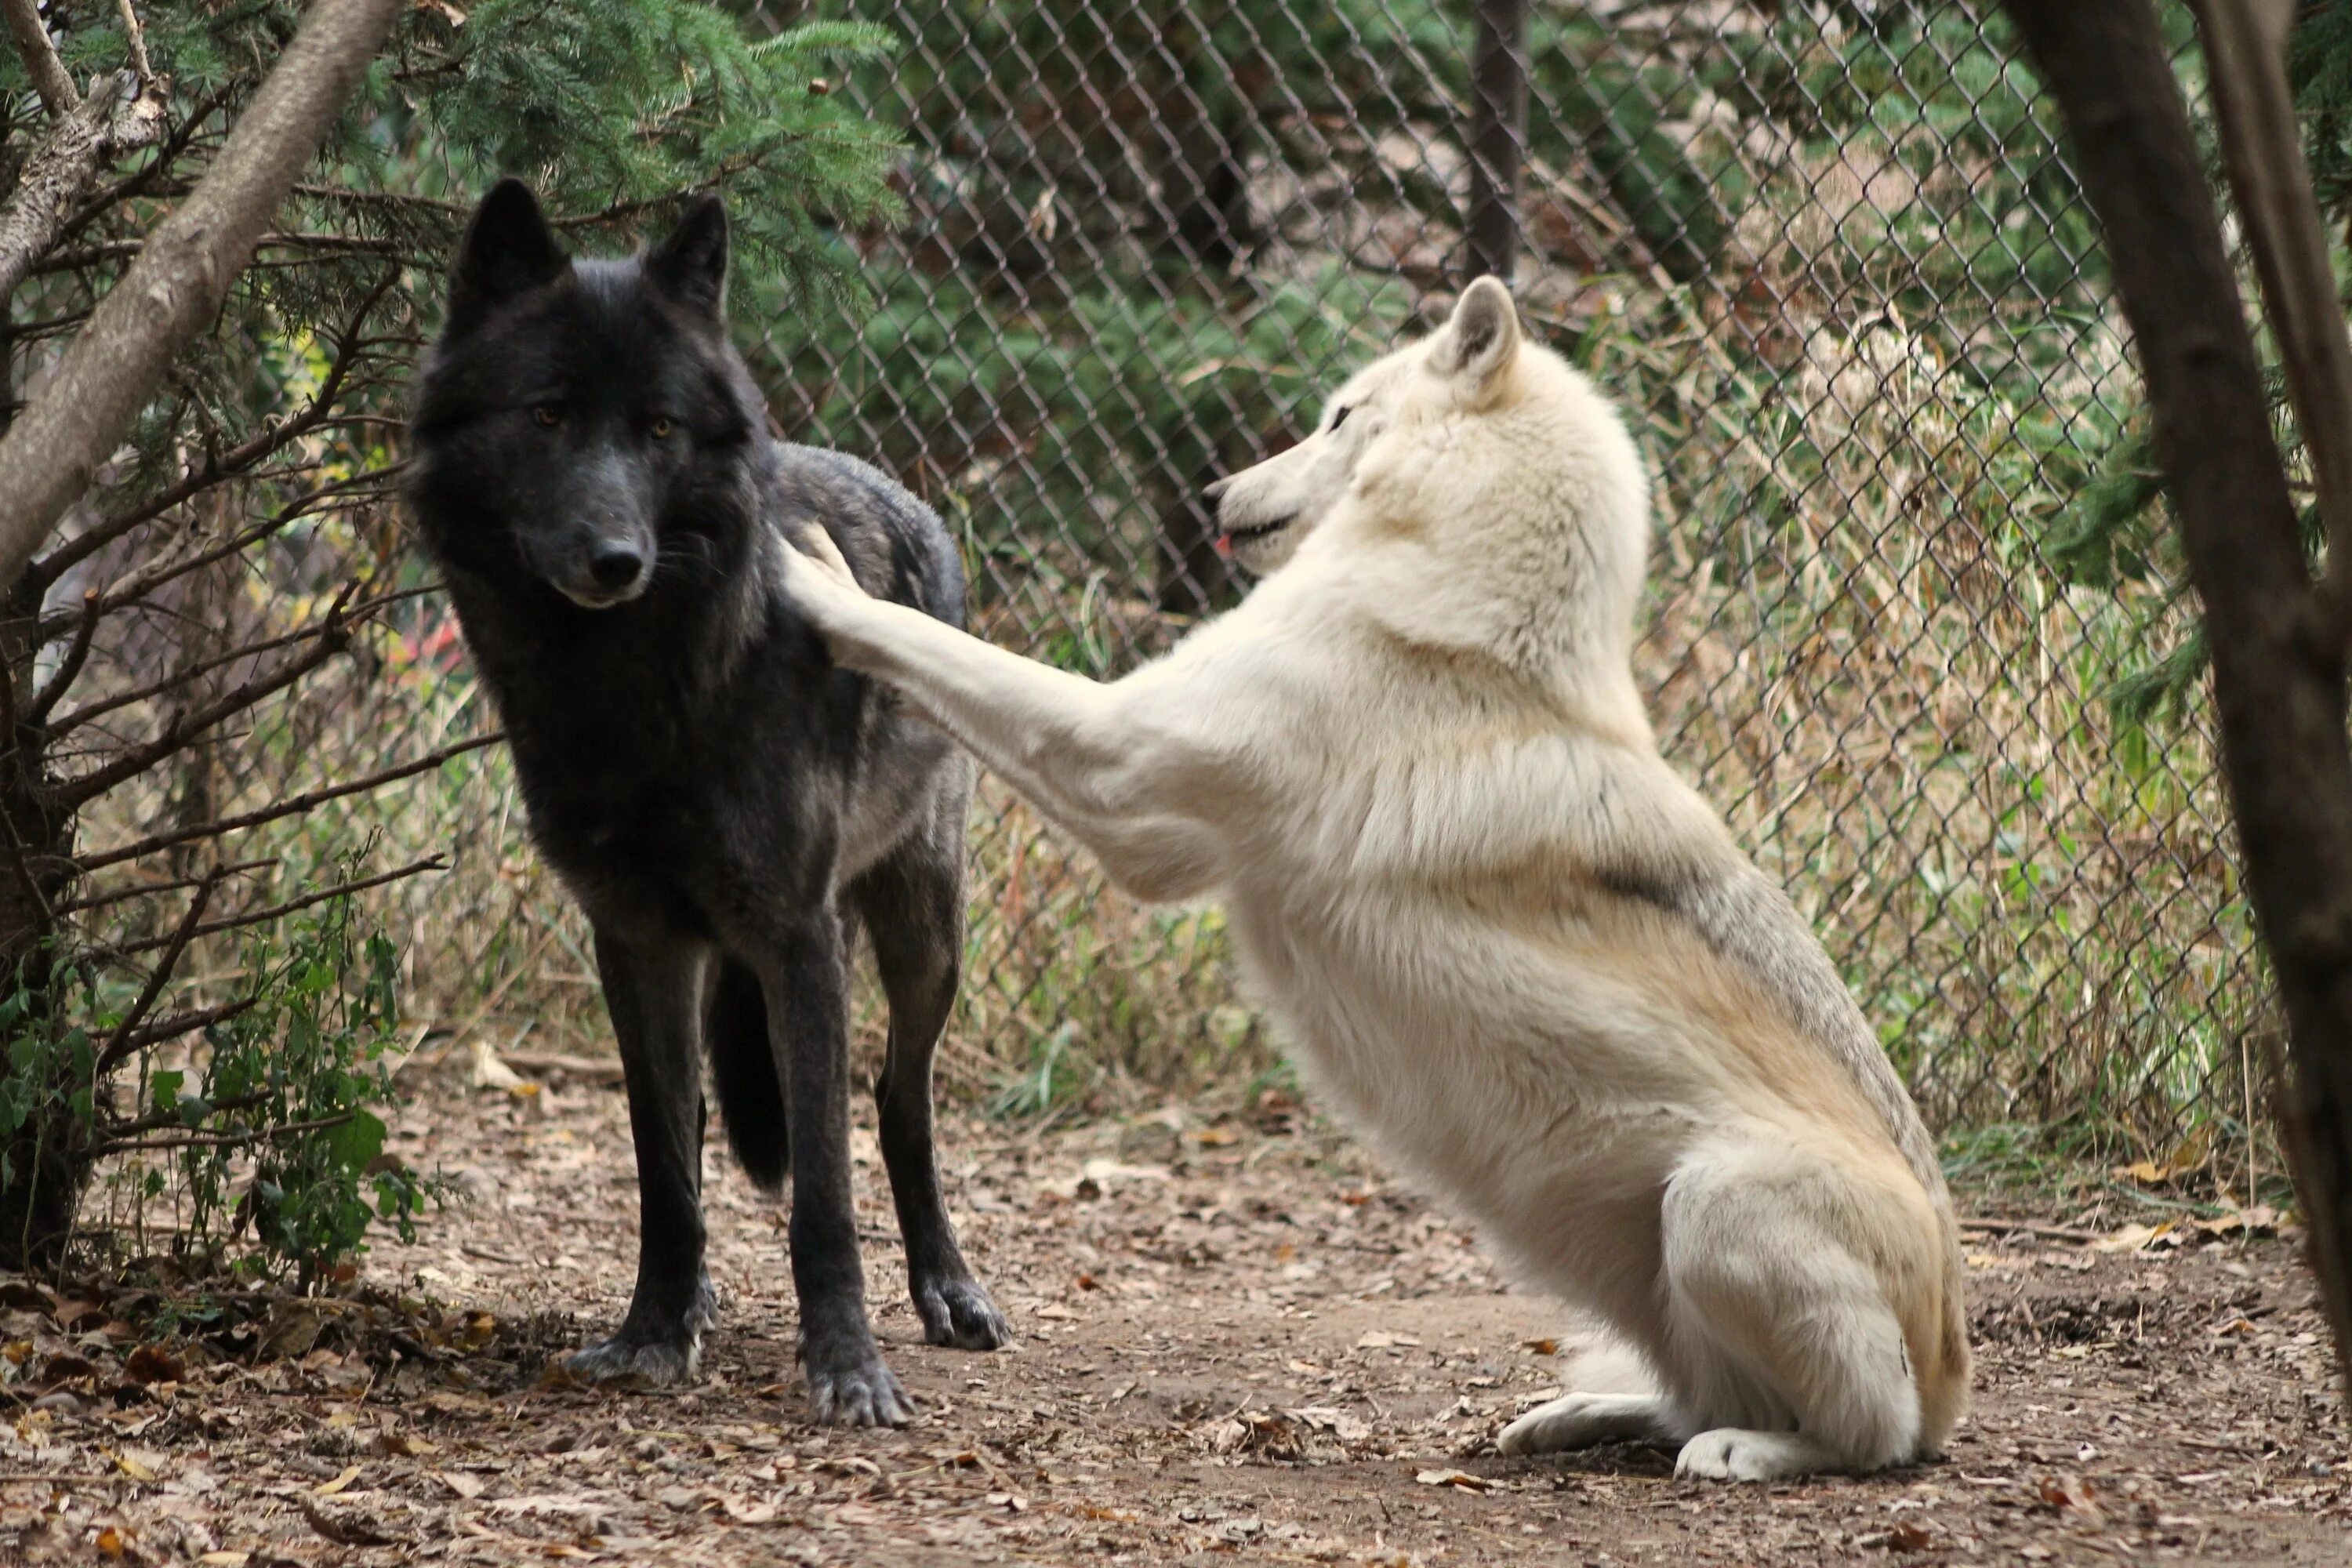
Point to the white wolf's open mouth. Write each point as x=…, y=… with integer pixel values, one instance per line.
x=1252, y=534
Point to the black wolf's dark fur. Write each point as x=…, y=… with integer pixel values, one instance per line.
x=593, y=473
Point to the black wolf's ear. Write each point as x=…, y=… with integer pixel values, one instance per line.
x=508, y=250
x=690, y=266
x=1479, y=343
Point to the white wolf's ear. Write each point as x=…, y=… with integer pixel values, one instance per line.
x=690, y=266
x=508, y=250
x=1480, y=342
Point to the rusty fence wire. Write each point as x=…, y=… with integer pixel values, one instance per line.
x=1830, y=260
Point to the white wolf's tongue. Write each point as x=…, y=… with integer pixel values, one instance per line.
x=1226, y=545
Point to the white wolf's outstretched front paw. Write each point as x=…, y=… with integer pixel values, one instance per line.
x=1581, y=1420
x=820, y=580
x=1731, y=1454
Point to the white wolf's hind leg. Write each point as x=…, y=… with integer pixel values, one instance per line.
x=1581, y=1420
x=1617, y=1400
x=1783, y=1343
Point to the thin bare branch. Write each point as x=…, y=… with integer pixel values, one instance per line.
x=139, y=585
x=156, y=1120
x=279, y=911
x=113, y=1146
x=182, y=677
x=184, y=730
x=137, y=35
x=143, y=889
x=175, y=947
x=69, y=668
x=292, y=807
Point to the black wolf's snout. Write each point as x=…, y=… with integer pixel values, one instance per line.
x=617, y=567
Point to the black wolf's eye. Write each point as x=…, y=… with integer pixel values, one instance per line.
x=662, y=427
x=1340, y=419
x=547, y=415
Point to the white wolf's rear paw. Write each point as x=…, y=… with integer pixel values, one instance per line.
x=1581, y=1420
x=1730, y=1454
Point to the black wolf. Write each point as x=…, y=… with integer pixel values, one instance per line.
x=592, y=471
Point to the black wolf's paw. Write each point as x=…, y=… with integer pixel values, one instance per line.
x=636, y=1363
x=958, y=1312
x=654, y=1347
x=856, y=1389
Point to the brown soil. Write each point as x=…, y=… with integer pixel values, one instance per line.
x=1236, y=1342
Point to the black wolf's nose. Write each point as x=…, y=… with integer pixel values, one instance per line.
x=617, y=566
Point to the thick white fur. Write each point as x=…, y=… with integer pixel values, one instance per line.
x=1500, y=934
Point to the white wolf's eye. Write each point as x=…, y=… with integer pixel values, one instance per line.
x=1340, y=419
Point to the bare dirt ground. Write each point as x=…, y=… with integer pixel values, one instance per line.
x=1237, y=1341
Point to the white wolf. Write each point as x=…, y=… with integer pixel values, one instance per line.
x=1499, y=933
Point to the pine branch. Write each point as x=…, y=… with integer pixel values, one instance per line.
x=178, y=284
x=54, y=176
x=50, y=79
x=349, y=346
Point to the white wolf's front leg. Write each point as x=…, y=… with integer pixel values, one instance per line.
x=1094, y=763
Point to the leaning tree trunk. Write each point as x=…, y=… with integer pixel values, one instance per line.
x=43, y=1167
x=2278, y=641
x=50, y=454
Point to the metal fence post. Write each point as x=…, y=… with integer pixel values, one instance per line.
x=1498, y=137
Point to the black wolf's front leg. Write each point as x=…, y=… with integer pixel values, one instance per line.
x=806, y=978
x=654, y=993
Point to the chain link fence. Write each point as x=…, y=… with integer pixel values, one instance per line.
x=1830, y=262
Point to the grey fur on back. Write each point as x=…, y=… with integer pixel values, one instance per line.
x=1746, y=918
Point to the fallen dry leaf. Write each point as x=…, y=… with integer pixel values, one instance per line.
x=2132, y=1238
x=1464, y=1480
x=330, y=1488
x=2069, y=1493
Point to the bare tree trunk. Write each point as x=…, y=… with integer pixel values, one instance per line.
x=2278, y=648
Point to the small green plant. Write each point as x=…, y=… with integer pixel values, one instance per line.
x=301, y=1075
x=279, y=1140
